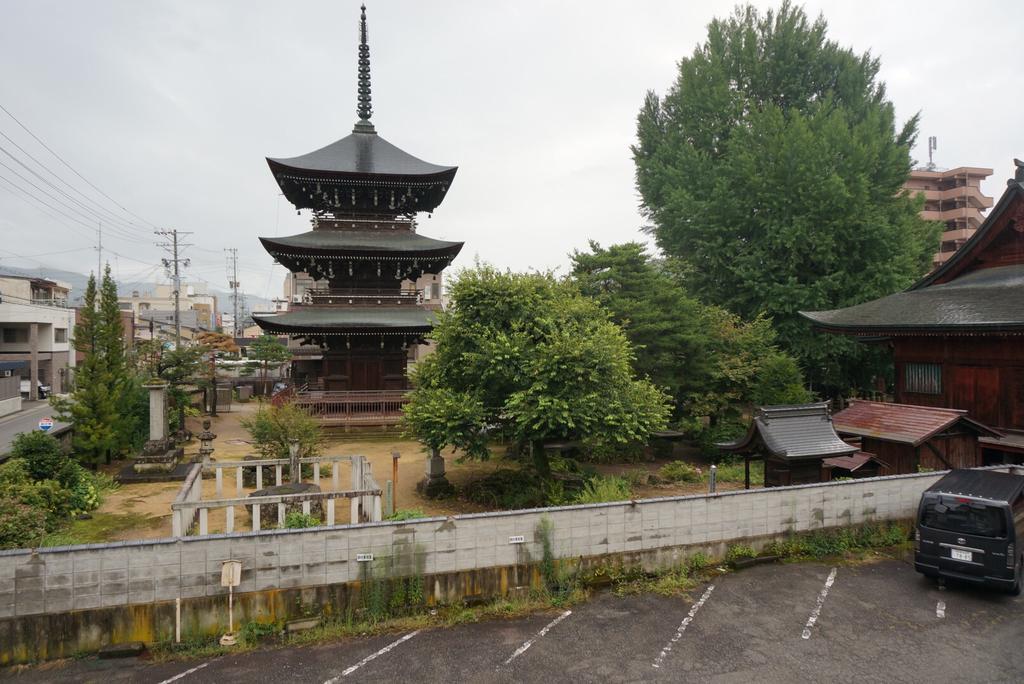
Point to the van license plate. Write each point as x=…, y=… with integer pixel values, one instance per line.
x=957, y=554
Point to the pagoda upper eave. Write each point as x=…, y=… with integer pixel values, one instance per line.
x=328, y=321
x=361, y=245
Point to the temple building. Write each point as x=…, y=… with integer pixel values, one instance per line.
x=360, y=315
x=957, y=335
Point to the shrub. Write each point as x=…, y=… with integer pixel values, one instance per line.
x=734, y=472
x=738, y=552
x=14, y=472
x=297, y=520
x=507, y=489
x=41, y=452
x=48, y=496
x=604, y=489
x=680, y=471
x=407, y=514
x=20, y=525
x=271, y=430
x=698, y=562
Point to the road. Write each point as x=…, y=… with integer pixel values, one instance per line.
x=771, y=623
x=25, y=420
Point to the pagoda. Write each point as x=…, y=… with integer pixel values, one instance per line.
x=358, y=323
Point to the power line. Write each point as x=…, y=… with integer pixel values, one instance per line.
x=73, y=170
x=107, y=216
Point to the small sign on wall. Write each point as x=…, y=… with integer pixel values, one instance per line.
x=364, y=557
x=517, y=539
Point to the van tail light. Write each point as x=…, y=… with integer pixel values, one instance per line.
x=1011, y=556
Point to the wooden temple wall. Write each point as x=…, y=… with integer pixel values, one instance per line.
x=982, y=375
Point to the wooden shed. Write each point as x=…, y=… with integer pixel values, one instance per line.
x=905, y=438
x=793, y=441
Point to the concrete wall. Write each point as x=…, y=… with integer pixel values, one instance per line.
x=37, y=585
x=12, y=405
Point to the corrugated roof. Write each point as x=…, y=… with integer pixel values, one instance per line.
x=902, y=423
x=850, y=463
x=792, y=432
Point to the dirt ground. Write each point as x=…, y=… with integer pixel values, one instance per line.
x=143, y=511
x=149, y=505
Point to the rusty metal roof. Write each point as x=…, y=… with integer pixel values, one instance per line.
x=902, y=423
x=792, y=432
x=850, y=463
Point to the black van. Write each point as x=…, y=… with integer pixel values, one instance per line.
x=970, y=526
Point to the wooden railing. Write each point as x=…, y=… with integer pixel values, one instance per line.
x=361, y=407
x=362, y=297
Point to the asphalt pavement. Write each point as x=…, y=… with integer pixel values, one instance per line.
x=808, y=622
x=25, y=420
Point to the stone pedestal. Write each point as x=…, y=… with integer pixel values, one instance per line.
x=158, y=454
x=435, y=485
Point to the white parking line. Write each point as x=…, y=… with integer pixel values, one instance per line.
x=529, y=642
x=370, y=657
x=682, y=626
x=817, y=608
x=940, y=609
x=186, y=673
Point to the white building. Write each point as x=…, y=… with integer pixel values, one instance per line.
x=36, y=328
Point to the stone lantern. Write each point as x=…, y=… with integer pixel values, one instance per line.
x=206, y=444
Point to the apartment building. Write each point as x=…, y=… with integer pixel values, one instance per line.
x=953, y=197
x=36, y=329
x=153, y=310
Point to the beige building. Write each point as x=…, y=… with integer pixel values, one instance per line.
x=36, y=328
x=953, y=197
x=154, y=308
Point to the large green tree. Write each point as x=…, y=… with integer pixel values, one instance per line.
x=110, y=346
x=712, y=363
x=773, y=169
x=527, y=358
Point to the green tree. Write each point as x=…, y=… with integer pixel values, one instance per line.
x=773, y=170
x=711, y=363
x=91, y=407
x=267, y=353
x=273, y=428
x=110, y=347
x=526, y=357
x=214, y=344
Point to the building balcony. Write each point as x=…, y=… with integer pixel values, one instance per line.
x=967, y=194
x=971, y=216
x=362, y=297
x=957, y=234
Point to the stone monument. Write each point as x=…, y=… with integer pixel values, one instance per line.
x=159, y=453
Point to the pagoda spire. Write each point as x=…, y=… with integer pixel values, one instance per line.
x=364, y=108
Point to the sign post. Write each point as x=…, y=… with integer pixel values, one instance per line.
x=230, y=577
x=46, y=424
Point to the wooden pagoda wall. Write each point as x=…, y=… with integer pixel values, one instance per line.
x=983, y=375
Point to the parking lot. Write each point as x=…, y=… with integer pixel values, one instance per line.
x=791, y=622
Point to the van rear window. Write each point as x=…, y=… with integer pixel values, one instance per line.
x=964, y=517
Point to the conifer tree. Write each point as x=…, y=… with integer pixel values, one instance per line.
x=110, y=347
x=90, y=408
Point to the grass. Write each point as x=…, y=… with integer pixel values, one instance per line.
x=100, y=527
x=254, y=635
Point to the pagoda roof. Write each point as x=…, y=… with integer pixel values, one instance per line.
x=348, y=320
x=980, y=289
x=363, y=153
x=363, y=242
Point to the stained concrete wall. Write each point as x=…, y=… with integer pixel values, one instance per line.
x=51, y=582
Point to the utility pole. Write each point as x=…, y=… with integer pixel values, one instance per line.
x=174, y=262
x=233, y=283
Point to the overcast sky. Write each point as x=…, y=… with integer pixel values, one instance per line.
x=170, y=108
